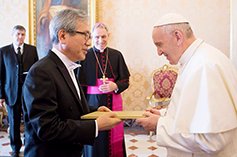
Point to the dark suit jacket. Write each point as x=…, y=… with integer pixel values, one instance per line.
x=52, y=111
x=9, y=70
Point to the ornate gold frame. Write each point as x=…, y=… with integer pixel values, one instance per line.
x=32, y=18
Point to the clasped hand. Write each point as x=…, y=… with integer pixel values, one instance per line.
x=151, y=119
x=2, y=103
x=109, y=86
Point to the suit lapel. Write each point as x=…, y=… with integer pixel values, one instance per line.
x=83, y=99
x=13, y=53
x=68, y=79
x=25, y=52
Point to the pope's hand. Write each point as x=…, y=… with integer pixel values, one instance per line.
x=154, y=111
x=150, y=122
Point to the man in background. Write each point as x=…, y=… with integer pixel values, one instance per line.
x=104, y=76
x=53, y=101
x=201, y=119
x=15, y=61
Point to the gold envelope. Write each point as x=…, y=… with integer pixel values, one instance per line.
x=121, y=114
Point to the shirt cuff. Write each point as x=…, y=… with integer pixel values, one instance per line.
x=96, y=128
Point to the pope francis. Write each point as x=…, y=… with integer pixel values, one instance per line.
x=201, y=119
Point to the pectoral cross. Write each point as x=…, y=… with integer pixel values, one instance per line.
x=104, y=79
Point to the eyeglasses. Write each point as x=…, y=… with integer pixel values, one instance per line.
x=87, y=34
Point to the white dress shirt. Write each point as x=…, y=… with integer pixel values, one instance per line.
x=15, y=48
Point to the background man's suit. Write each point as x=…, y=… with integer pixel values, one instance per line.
x=10, y=87
x=52, y=110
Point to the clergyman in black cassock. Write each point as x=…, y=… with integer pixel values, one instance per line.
x=110, y=64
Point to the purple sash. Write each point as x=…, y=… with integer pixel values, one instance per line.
x=117, y=132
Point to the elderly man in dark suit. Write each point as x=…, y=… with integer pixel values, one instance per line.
x=15, y=61
x=53, y=101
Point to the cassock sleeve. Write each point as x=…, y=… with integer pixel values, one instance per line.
x=188, y=142
x=123, y=79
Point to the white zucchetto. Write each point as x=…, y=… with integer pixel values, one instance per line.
x=170, y=18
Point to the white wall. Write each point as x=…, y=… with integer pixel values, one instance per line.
x=233, y=35
x=13, y=12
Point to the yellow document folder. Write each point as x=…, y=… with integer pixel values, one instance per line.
x=121, y=114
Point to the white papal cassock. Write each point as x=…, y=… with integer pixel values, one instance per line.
x=202, y=118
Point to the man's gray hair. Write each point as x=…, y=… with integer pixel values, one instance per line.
x=67, y=20
x=183, y=27
x=18, y=27
x=99, y=25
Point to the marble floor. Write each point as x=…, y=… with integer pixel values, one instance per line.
x=138, y=144
x=5, y=149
